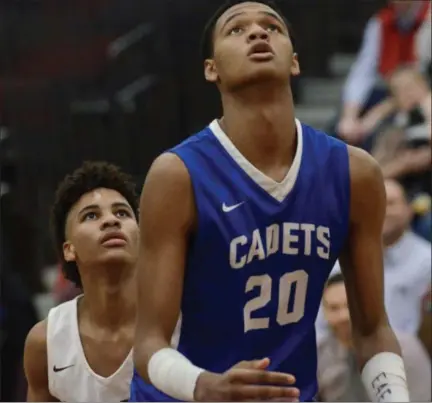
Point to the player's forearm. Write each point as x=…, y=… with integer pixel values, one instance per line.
x=382, y=339
x=172, y=373
x=144, y=348
x=166, y=368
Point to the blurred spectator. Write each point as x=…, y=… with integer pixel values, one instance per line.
x=389, y=42
x=425, y=332
x=408, y=160
x=423, y=45
x=407, y=266
x=338, y=375
x=409, y=105
x=404, y=149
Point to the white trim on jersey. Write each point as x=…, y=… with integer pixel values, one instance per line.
x=278, y=190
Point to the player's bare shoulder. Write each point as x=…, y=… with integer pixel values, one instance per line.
x=367, y=183
x=363, y=167
x=168, y=167
x=167, y=192
x=36, y=363
x=36, y=344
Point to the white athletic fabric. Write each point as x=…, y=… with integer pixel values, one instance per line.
x=78, y=383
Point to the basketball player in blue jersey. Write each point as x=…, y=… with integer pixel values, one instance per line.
x=240, y=227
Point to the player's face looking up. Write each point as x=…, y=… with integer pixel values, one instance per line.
x=97, y=216
x=251, y=43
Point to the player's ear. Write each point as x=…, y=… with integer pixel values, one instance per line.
x=295, y=66
x=210, y=71
x=69, y=252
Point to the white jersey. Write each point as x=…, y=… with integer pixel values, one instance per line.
x=70, y=377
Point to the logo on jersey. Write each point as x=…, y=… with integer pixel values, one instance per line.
x=59, y=369
x=227, y=209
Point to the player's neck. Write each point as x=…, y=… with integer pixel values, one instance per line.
x=109, y=297
x=267, y=117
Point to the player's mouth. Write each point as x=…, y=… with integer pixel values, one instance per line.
x=261, y=51
x=113, y=239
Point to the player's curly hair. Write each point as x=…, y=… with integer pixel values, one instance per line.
x=207, y=36
x=91, y=175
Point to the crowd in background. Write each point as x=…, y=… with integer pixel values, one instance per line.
x=385, y=109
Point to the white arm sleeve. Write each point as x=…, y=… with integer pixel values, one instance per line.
x=384, y=378
x=173, y=374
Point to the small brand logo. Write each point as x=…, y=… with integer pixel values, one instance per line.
x=227, y=209
x=59, y=369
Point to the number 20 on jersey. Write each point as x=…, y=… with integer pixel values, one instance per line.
x=284, y=317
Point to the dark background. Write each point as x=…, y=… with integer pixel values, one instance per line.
x=118, y=80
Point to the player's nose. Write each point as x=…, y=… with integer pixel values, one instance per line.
x=257, y=32
x=110, y=221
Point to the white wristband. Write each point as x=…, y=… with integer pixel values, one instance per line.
x=385, y=379
x=173, y=374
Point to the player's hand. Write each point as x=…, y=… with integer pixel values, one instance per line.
x=254, y=364
x=246, y=381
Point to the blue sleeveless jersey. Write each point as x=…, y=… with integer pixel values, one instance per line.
x=260, y=256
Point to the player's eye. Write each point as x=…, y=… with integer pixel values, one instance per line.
x=235, y=31
x=122, y=213
x=273, y=28
x=90, y=216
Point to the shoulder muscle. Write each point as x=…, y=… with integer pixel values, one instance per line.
x=35, y=363
x=35, y=350
x=368, y=197
x=167, y=197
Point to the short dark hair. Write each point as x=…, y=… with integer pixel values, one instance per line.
x=335, y=279
x=90, y=176
x=207, y=36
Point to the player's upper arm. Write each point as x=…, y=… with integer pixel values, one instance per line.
x=362, y=258
x=167, y=214
x=36, y=364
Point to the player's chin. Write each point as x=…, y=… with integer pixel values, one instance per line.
x=119, y=255
x=253, y=78
x=262, y=72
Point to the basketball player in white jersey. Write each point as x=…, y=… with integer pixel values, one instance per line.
x=83, y=351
